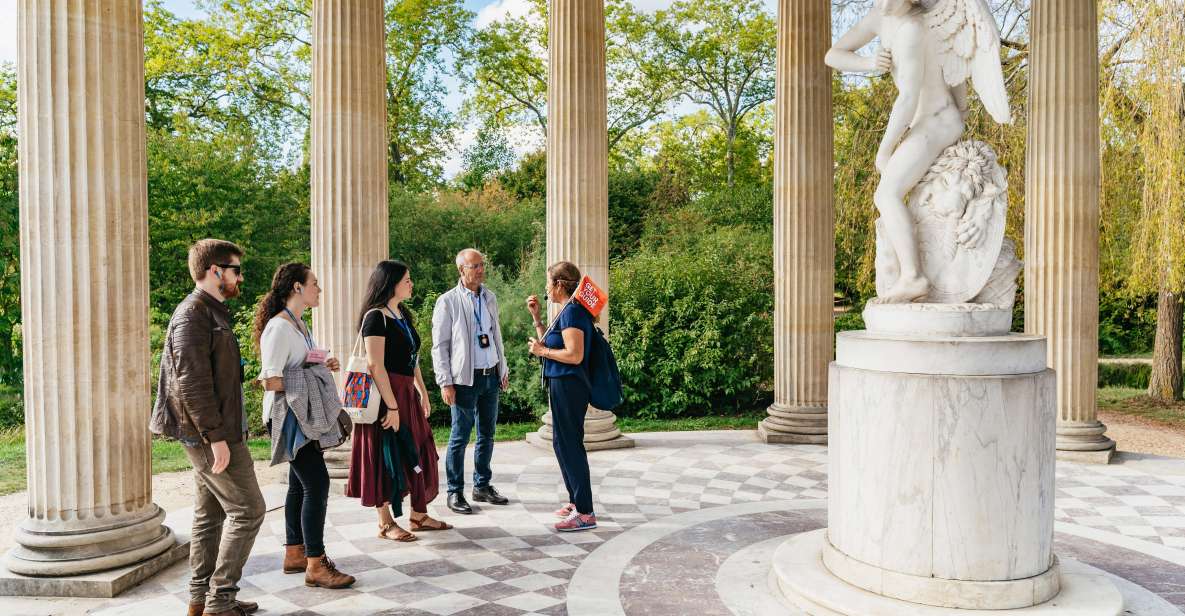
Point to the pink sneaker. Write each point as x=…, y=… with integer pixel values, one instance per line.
x=577, y=521
x=565, y=511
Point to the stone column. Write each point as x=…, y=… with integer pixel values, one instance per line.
x=578, y=170
x=348, y=155
x=84, y=290
x=804, y=243
x=1062, y=216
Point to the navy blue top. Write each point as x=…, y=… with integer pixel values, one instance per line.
x=573, y=315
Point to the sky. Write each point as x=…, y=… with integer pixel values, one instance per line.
x=486, y=12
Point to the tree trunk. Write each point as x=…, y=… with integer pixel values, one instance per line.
x=1165, y=382
x=730, y=160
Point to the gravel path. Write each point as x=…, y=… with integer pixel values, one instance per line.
x=1140, y=435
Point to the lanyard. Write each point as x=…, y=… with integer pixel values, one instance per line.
x=411, y=341
x=477, y=313
x=300, y=326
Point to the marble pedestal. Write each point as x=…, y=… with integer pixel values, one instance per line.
x=941, y=486
x=600, y=432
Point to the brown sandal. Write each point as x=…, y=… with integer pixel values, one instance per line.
x=402, y=536
x=426, y=523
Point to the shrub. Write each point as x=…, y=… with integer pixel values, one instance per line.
x=692, y=324
x=1133, y=375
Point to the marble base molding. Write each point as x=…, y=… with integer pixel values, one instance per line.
x=89, y=546
x=922, y=319
x=1084, y=442
x=800, y=574
x=600, y=432
x=796, y=425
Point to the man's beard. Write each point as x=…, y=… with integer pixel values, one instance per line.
x=229, y=292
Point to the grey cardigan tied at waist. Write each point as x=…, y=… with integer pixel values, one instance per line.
x=312, y=395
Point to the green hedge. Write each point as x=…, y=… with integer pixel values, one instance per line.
x=1134, y=375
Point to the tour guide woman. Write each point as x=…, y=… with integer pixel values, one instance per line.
x=392, y=353
x=565, y=362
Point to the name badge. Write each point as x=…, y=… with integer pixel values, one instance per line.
x=316, y=356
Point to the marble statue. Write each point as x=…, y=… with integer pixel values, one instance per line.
x=931, y=48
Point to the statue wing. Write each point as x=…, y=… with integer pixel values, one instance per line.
x=965, y=38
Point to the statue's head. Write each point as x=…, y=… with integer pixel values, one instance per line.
x=898, y=7
x=965, y=173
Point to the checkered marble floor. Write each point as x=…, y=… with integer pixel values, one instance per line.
x=508, y=561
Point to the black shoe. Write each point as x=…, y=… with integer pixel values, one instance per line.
x=457, y=502
x=489, y=495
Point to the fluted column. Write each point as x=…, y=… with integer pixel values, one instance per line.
x=84, y=289
x=578, y=169
x=1062, y=215
x=348, y=154
x=804, y=244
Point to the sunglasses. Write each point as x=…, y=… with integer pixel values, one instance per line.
x=237, y=268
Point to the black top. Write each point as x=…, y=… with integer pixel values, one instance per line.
x=400, y=355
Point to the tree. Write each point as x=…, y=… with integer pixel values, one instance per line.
x=509, y=61
x=1155, y=100
x=243, y=68
x=10, y=249
x=721, y=54
x=422, y=35
x=488, y=155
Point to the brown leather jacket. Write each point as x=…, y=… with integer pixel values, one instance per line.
x=200, y=394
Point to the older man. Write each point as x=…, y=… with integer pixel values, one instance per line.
x=470, y=365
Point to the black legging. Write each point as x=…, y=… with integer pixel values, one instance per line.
x=308, y=496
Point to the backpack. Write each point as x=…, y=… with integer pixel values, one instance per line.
x=604, y=379
x=601, y=373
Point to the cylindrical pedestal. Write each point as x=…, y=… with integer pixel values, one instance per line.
x=941, y=487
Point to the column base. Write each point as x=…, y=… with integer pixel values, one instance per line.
x=600, y=432
x=804, y=581
x=804, y=425
x=337, y=461
x=45, y=550
x=1084, y=442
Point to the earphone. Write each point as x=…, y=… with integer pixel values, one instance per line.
x=218, y=274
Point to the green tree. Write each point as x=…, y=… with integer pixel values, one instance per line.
x=243, y=68
x=10, y=249
x=1153, y=97
x=422, y=36
x=509, y=61
x=488, y=155
x=721, y=54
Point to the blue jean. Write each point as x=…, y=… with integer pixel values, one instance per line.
x=475, y=405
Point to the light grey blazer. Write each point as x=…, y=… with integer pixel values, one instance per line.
x=454, y=336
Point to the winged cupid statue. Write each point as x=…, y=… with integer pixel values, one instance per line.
x=954, y=220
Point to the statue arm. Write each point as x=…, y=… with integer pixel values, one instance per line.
x=843, y=57
x=959, y=93
x=910, y=65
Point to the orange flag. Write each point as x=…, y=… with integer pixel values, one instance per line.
x=591, y=297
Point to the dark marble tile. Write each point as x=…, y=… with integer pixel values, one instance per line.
x=1161, y=577
x=502, y=573
x=482, y=532
x=493, y=592
x=490, y=609
x=429, y=568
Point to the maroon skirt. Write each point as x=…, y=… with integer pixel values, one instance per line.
x=365, y=480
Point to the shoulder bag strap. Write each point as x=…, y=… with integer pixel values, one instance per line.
x=356, y=350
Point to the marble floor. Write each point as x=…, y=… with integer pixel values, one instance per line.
x=688, y=524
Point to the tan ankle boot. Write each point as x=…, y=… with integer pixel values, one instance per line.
x=294, y=559
x=321, y=572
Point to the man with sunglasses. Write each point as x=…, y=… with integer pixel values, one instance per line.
x=470, y=365
x=200, y=403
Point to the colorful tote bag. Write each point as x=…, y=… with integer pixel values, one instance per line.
x=360, y=394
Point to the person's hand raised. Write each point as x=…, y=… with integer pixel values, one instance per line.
x=533, y=306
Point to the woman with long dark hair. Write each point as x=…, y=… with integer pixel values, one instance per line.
x=396, y=455
x=286, y=345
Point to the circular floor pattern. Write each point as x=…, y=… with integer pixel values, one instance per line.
x=672, y=512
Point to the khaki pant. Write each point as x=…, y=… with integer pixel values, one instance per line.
x=231, y=497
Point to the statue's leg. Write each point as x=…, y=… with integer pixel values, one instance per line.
x=920, y=148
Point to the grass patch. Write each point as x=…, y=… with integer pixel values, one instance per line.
x=12, y=460
x=168, y=456
x=1136, y=402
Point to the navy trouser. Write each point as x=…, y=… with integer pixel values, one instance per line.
x=569, y=403
x=307, y=500
x=476, y=404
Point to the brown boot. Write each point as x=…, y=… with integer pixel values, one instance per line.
x=199, y=608
x=321, y=572
x=294, y=559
